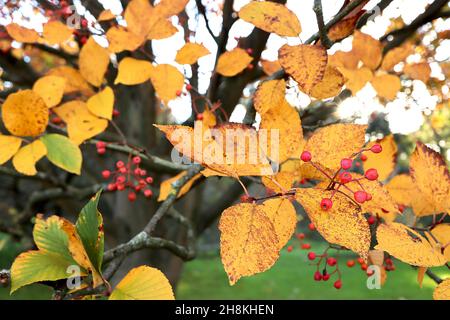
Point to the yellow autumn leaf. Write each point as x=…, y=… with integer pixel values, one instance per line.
x=420, y=274
x=25, y=159
x=120, y=39
x=343, y=224
x=395, y=56
x=330, y=85
x=161, y=29
x=209, y=118
x=385, y=161
x=248, y=241
x=270, y=94
x=93, y=62
x=22, y=34
x=356, y=79
x=9, y=145
x=51, y=89
x=284, y=132
x=387, y=85
x=102, y=104
x=190, y=53
x=81, y=123
x=408, y=246
x=168, y=8
x=442, y=291
x=167, y=81
x=106, y=15
x=343, y=28
x=133, y=71
x=442, y=234
x=280, y=182
x=138, y=15
x=166, y=186
x=402, y=189
x=233, y=62
x=56, y=32
x=343, y=59
x=305, y=63
x=143, y=283
x=283, y=216
x=418, y=71
x=271, y=17
x=330, y=144
x=74, y=80
x=431, y=176
x=367, y=49
x=25, y=114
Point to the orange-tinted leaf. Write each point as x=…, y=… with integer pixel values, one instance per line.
x=343, y=224
x=330, y=85
x=51, y=89
x=56, y=32
x=395, y=56
x=166, y=186
x=305, y=63
x=282, y=213
x=342, y=59
x=120, y=39
x=442, y=291
x=106, y=15
x=74, y=80
x=442, y=234
x=368, y=49
x=270, y=94
x=420, y=274
x=167, y=81
x=22, y=34
x=387, y=85
x=356, y=79
x=343, y=28
x=270, y=67
x=25, y=114
x=94, y=61
x=418, y=71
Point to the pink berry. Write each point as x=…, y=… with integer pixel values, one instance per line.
x=137, y=160
x=149, y=180
x=326, y=204
x=101, y=151
x=123, y=170
x=148, y=193
x=112, y=187
x=131, y=196
x=120, y=187
x=120, y=164
x=106, y=174
x=306, y=156
x=346, y=163
x=376, y=148
x=331, y=261
x=360, y=196
x=371, y=174
x=363, y=157
x=345, y=177
x=120, y=179
x=311, y=256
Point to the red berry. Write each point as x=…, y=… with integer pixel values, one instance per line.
x=120, y=179
x=189, y=87
x=120, y=187
x=338, y=284
x=289, y=249
x=142, y=182
x=306, y=246
x=143, y=173
x=83, y=40
x=245, y=198
x=178, y=93
x=371, y=220
x=358, y=164
x=350, y=263
x=137, y=172
x=401, y=208
x=149, y=180
x=376, y=148
x=63, y=3
x=326, y=204
x=138, y=188
x=123, y=170
x=311, y=226
x=364, y=267
x=106, y=174
x=101, y=151
x=120, y=164
x=360, y=260
x=84, y=23
x=326, y=277
x=200, y=116
x=301, y=236
x=137, y=160
x=346, y=163
x=250, y=67
x=112, y=187
x=370, y=272
x=306, y=156
x=131, y=196
x=148, y=193
x=360, y=196
x=100, y=145
x=331, y=261
x=371, y=174
x=388, y=261
x=317, y=276
x=250, y=51
x=363, y=157
x=56, y=120
x=369, y=196
x=311, y=256
x=116, y=113
x=303, y=181
x=345, y=177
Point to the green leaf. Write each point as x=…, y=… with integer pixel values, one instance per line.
x=52, y=259
x=89, y=227
x=63, y=153
x=35, y=266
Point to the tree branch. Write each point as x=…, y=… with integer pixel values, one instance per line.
x=202, y=10
x=323, y=32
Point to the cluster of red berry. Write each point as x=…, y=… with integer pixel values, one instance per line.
x=301, y=237
x=325, y=274
x=344, y=177
x=179, y=93
x=129, y=176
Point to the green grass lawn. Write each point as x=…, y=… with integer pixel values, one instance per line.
x=292, y=278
